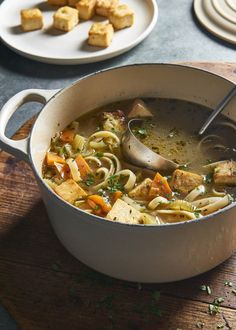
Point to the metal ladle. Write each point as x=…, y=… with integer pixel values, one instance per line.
x=220, y=107
x=140, y=155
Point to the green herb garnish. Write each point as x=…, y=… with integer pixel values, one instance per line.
x=99, y=154
x=200, y=325
x=141, y=132
x=206, y=288
x=208, y=178
x=219, y=300
x=173, y=132
x=197, y=214
x=90, y=180
x=114, y=184
x=228, y=283
x=213, y=309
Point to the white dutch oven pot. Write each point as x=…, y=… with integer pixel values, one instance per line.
x=131, y=252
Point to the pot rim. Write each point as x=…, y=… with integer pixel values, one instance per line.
x=101, y=220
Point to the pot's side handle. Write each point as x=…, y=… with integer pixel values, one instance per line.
x=19, y=148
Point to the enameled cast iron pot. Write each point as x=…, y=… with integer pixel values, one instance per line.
x=131, y=252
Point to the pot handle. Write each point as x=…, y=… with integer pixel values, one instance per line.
x=19, y=148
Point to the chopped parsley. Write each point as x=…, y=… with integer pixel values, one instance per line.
x=200, y=325
x=208, y=178
x=197, y=214
x=206, y=288
x=172, y=133
x=99, y=154
x=90, y=180
x=141, y=132
x=219, y=300
x=114, y=184
x=184, y=167
x=213, y=309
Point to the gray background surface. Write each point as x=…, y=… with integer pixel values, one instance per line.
x=176, y=37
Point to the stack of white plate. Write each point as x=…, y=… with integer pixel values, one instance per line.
x=218, y=17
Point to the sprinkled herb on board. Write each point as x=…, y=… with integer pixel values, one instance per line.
x=213, y=309
x=200, y=325
x=206, y=288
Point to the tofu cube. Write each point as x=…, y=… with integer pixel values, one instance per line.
x=123, y=212
x=184, y=182
x=100, y=34
x=72, y=3
x=70, y=191
x=142, y=190
x=65, y=18
x=57, y=2
x=103, y=7
x=86, y=8
x=121, y=17
x=31, y=19
x=225, y=173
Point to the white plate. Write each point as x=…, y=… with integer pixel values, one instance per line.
x=52, y=46
x=218, y=17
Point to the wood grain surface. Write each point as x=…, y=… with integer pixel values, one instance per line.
x=44, y=287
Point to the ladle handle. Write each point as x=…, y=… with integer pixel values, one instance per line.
x=218, y=109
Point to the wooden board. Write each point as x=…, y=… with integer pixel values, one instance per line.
x=44, y=287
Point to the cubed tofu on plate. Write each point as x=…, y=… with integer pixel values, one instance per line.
x=123, y=212
x=184, y=182
x=103, y=7
x=86, y=8
x=65, y=18
x=100, y=34
x=31, y=19
x=225, y=173
x=121, y=16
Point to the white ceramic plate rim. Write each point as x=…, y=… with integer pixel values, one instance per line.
x=89, y=59
x=210, y=26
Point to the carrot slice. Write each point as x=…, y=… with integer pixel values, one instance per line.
x=67, y=136
x=52, y=158
x=117, y=194
x=96, y=208
x=99, y=202
x=160, y=186
x=83, y=166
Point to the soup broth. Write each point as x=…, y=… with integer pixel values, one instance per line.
x=85, y=166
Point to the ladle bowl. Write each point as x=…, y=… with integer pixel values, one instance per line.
x=140, y=155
